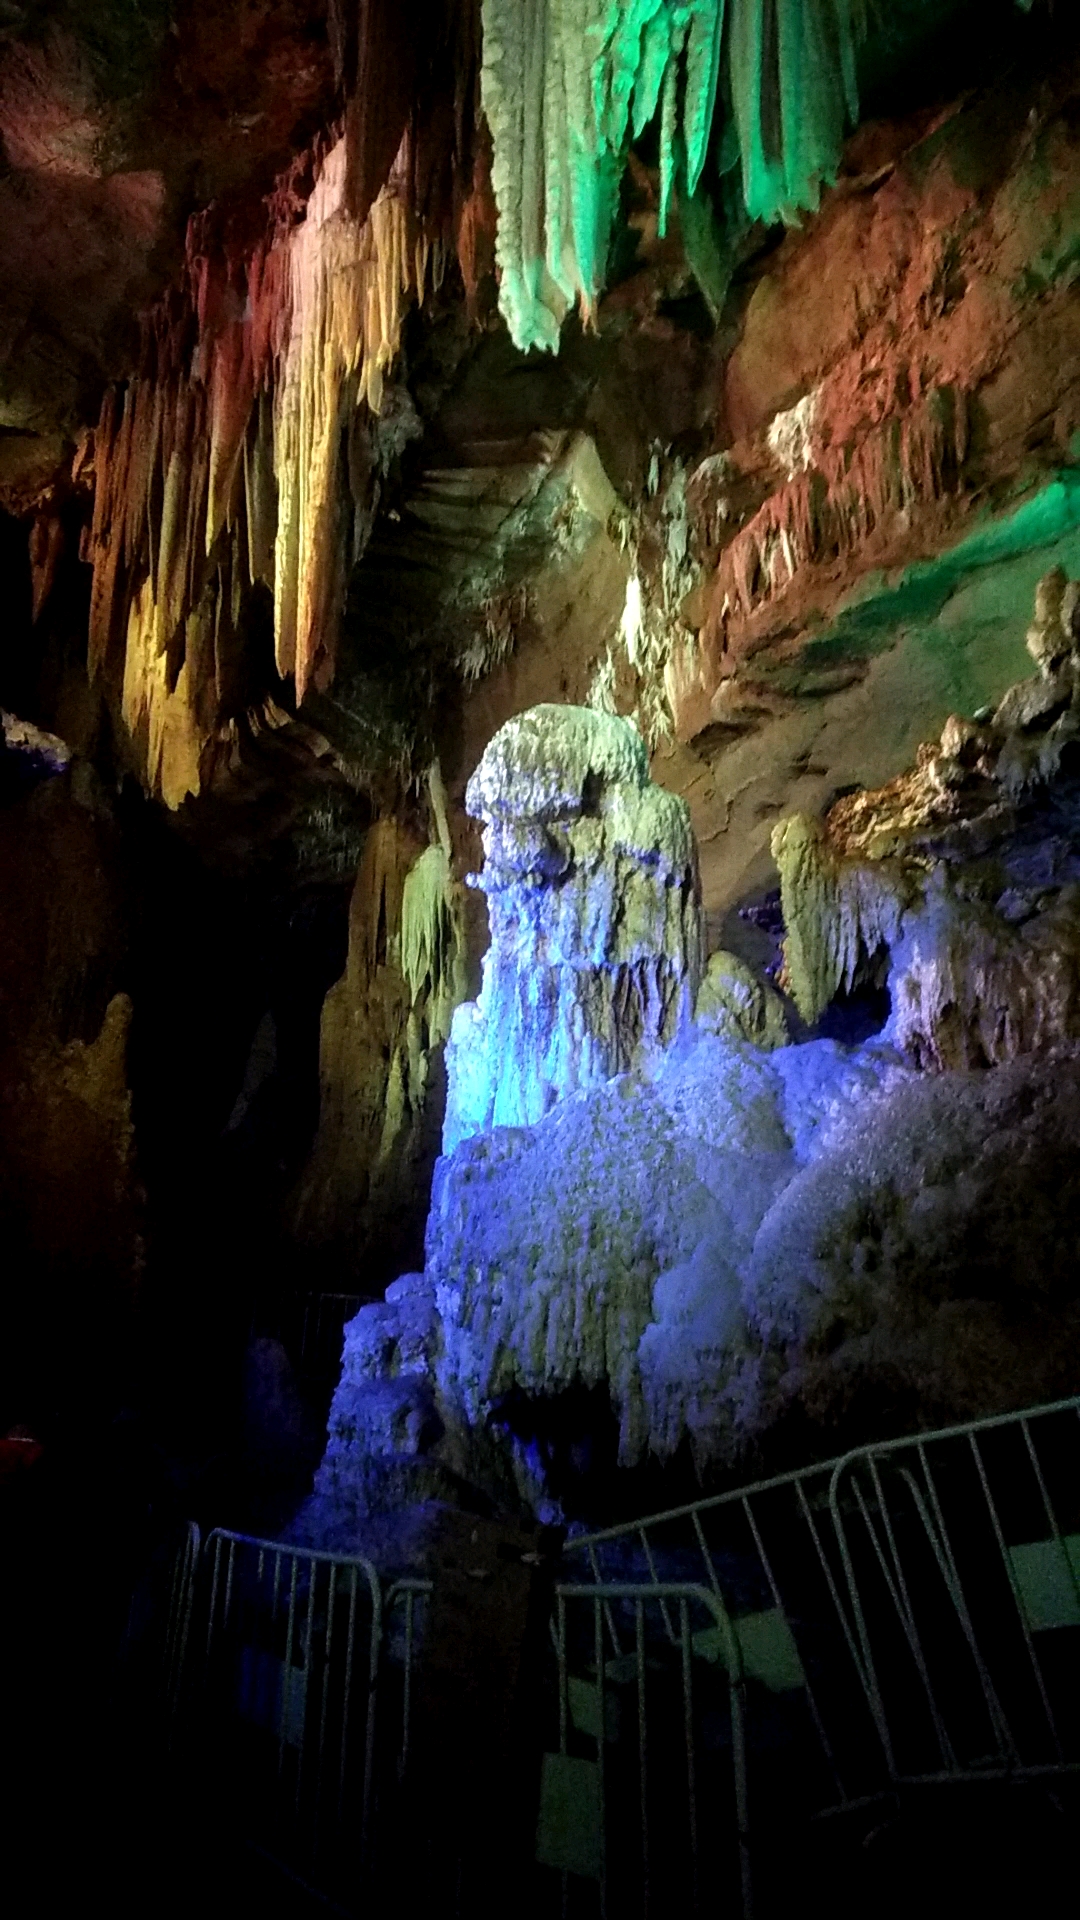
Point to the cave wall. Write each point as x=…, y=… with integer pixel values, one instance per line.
x=782, y=497
x=71, y=1199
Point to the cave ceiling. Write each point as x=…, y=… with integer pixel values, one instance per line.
x=271, y=362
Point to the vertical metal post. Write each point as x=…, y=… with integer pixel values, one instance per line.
x=639, y=1650
x=688, y=1733
x=350, y=1642
x=1010, y=1574
x=601, y=1743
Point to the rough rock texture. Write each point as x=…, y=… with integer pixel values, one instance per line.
x=70, y=1200
x=922, y=1268
x=738, y=1232
x=747, y=1240
x=384, y=1429
x=734, y=1002
x=958, y=884
x=596, y=937
x=383, y=1029
x=610, y=1244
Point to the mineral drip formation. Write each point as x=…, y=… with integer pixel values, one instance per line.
x=567, y=83
x=240, y=459
x=590, y=873
x=218, y=471
x=958, y=884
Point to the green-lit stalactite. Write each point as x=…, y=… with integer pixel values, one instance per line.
x=568, y=83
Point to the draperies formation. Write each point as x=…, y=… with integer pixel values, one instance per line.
x=236, y=457
x=567, y=83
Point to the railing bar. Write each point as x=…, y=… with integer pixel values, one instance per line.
x=652, y=1571
x=1049, y=1508
x=613, y=1630
x=639, y=1648
x=328, y=1649
x=229, y=1583
x=841, y=1614
x=691, y=1768
x=1040, y=1677
x=946, y=1559
x=601, y=1754
x=276, y=1595
x=286, y=1682
x=866, y=1669
x=350, y=1644
x=832, y=1468
x=213, y=1593
x=737, y=1708
x=406, y=1703
x=998, y=1717
x=560, y=1649
x=905, y=1611
x=325, y=1555
x=374, y=1657
x=710, y=1569
x=782, y=1610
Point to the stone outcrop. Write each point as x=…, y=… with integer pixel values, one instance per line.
x=590, y=873
x=71, y=1203
x=957, y=884
x=715, y=1229
x=381, y=1054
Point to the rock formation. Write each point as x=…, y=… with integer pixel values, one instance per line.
x=590, y=873
x=288, y=516
x=957, y=885
x=711, y=1226
x=384, y=1026
x=565, y=83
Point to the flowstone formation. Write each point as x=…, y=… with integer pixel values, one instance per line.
x=590, y=873
x=729, y=1236
x=958, y=884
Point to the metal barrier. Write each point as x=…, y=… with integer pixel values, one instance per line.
x=296, y=1703
x=913, y=1603
x=902, y=1618
x=645, y=1795
x=961, y=1552
x=276, y=1705
x=178, y=1619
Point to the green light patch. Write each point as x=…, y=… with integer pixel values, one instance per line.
x=569, y=1825
x=1047, y=1576
x=768, y=1650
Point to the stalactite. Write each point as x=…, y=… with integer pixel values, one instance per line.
x=218, y=468
x=566, y=83
x=832, y=509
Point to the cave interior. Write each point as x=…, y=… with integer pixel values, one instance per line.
x=540, y=954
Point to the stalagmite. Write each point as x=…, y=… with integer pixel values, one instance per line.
x=590, y=872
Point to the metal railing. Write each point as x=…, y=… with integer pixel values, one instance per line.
x=645, y=1794
x=275, y=1705
x=296, y=1700
x=911, y=1602
x=178, y=1618
x=901, y=1618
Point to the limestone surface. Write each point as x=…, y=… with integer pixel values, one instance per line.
x=590, y=873
x=958, y=884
